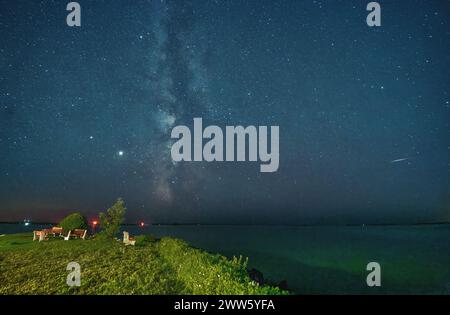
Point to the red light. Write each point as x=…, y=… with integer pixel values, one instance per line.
x=141, y=224
x=94, y=222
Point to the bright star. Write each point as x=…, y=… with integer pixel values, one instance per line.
x=120, y=153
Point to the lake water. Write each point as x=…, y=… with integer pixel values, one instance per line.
x=413, y=259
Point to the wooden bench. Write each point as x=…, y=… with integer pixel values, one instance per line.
x=57, y=231
x=79, y=233
x=40, y=235
x=44, y=234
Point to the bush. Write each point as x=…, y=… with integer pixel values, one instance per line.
x=73, y=221
x=111, y=220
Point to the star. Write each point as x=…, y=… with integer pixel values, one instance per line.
x=370, y=121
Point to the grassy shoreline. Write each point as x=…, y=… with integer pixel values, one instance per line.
x=165, y=266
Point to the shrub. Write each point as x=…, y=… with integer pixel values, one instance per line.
x=111, y=220
x=73, y=221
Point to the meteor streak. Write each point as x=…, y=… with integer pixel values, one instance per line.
x=399, y=160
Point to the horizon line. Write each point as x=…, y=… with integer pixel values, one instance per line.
x=259, y=224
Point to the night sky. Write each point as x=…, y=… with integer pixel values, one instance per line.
x=364, y=112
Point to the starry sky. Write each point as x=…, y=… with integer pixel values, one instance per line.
x=364, y=113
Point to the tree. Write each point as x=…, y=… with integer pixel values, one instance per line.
x=73, y=221
x=111, y=220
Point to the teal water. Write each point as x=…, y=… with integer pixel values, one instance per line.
x=317, y=260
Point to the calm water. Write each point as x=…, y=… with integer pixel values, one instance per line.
x=413, y=259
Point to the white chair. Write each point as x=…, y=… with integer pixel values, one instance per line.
x=127, y=240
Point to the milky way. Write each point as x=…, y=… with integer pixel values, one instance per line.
x=351, y=102
x=178, y=86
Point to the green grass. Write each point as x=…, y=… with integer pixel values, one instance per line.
x=166, y=266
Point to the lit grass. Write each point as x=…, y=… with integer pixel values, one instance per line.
x=166, y=266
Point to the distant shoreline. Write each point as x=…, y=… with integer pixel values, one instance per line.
x=244, y=224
